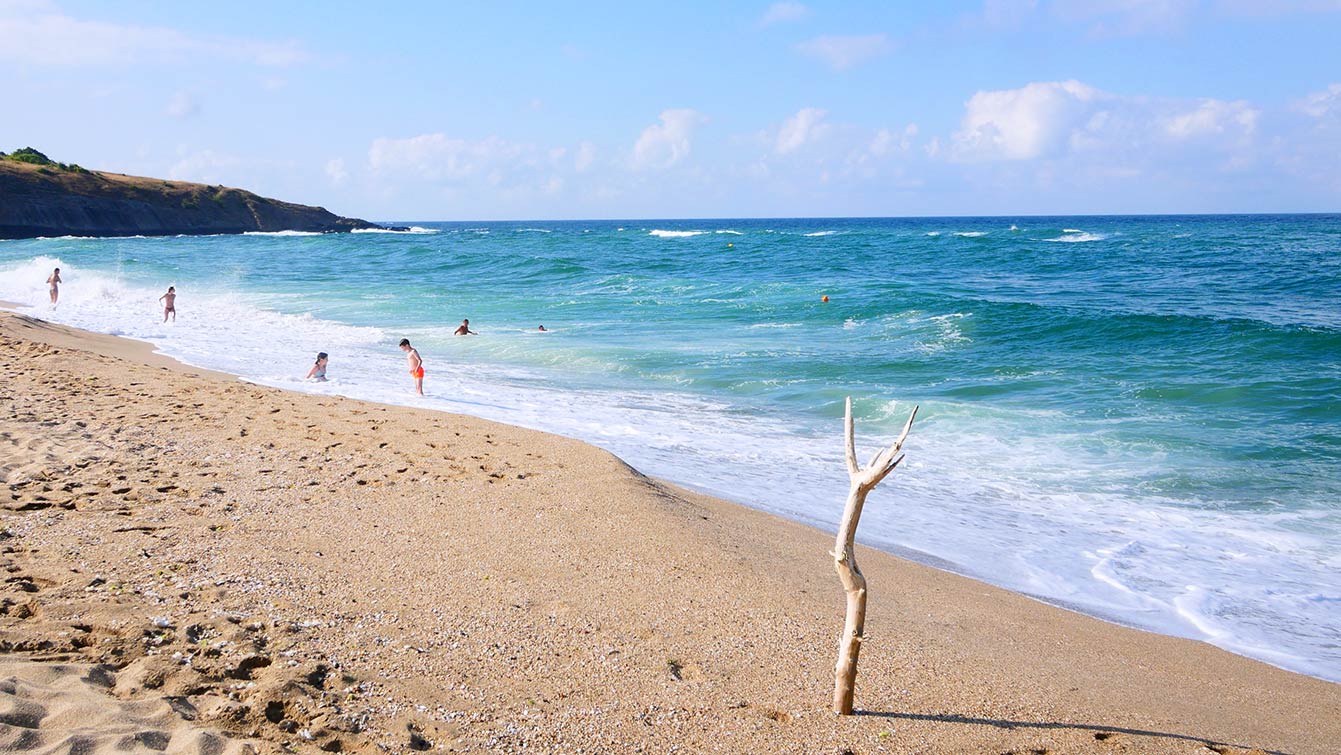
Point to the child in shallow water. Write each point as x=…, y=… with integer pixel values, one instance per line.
x=318, y=371
x=416, y=365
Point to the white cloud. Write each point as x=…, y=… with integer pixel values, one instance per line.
x=335, y=170
x=183, y=105
x=800, y=129
x=783, y=12
x=886, y=142
x=1054, y=127
x=37, y=33
x=1321, y=104
x=1025, y=123
x=1213, y=118
x=664, y=144
x=841, y=53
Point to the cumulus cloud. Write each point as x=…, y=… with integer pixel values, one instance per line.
x=1101, y=133
x=664, y=144
x=803, y=127
x=886, y=142
x=37, y=33
x=783, y=12
x=1025, y=123
x=1213, y=118
x=843, y=52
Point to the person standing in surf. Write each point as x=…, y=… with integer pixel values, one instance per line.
x=54, y=281
x=169, y=303
x=464, y=329
x=416, y=365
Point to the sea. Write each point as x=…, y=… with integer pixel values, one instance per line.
x=1138, y=418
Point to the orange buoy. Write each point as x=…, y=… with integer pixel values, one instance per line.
x=824, y=298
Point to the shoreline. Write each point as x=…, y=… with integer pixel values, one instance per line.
x=150, y=353
x=512, y=582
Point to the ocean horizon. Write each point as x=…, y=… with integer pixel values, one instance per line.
x=1135, y=417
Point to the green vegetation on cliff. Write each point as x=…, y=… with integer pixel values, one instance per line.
x=30, y=155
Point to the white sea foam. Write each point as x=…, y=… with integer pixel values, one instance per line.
x=281, y=233
x=933, y=234
x=413, y=230
x=675, y=234
x=970, y=234
x=733, y=233
x=1071, y=235
x=820, y=233
x=534, y=230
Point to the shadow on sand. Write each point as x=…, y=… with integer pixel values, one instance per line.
x=1101, y=733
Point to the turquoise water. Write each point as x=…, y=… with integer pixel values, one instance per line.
x=1138, y=417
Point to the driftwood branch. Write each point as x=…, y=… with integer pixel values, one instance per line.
x=861, y=481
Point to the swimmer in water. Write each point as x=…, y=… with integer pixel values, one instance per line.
x=464, y=329
x=318, y=371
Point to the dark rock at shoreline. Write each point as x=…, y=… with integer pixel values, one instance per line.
x=48, y=200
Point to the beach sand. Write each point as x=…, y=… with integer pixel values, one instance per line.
x=195, y=564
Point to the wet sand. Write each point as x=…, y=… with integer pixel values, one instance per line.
x=229, y=567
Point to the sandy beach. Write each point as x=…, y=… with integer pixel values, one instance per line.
x=198, y=564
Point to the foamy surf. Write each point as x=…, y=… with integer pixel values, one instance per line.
x=413, y=230
x=674, y=234
x=1072, y=235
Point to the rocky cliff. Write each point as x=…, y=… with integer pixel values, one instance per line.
x=54, y=200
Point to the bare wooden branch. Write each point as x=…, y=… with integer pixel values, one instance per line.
x=861, y=482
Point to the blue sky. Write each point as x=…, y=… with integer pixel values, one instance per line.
x=498, y=110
